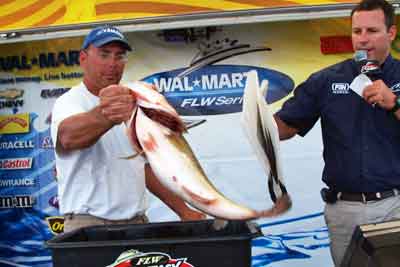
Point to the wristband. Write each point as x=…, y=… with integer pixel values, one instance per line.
x=396, y=105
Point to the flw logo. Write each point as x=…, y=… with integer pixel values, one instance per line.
x=132, y=257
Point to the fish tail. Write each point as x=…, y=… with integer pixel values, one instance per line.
x=282, y=204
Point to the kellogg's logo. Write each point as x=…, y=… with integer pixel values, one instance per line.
x=216, y=89
x=132, y=257
x=18, y=123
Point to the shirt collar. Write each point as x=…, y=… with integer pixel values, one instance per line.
x=387, y=64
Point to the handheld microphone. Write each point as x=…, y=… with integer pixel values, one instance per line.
x=367, y=66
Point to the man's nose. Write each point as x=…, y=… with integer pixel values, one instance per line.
x=364, y=37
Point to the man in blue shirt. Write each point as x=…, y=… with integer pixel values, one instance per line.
x=361, y=135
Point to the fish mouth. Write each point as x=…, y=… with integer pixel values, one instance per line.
x=132, y=132
x=168, y=120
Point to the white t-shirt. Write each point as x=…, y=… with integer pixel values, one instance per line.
x=96, y=180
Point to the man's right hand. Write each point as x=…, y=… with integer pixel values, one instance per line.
x=116, y=103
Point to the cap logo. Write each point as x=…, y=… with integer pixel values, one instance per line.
x=110, y=30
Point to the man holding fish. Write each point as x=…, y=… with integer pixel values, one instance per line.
x=361, y=132
x=97, y=184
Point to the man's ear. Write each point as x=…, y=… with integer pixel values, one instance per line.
x=82, y=57
x=392, y=32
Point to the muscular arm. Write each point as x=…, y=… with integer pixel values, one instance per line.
x=82, y=130
x=169, y=198
x=285, y=131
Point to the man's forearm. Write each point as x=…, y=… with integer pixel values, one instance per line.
x=82, y=130
x=285, y=131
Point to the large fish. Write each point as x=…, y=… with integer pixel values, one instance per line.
x=156, y=129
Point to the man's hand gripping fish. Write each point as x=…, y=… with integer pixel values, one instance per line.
x=156, y=129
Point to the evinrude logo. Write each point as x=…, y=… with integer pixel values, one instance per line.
x=53, y=93
x=132, y=257
x=216, y=89
x=340, y=88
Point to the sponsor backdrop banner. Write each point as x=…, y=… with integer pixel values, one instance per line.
x=27, y=14
x=213, y=63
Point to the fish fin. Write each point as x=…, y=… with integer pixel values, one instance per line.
x=198, y=198
x=167, y=119
x=282, y=205
x=132, y=156
x=219, y=224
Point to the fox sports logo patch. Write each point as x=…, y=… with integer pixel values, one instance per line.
x=340, y=88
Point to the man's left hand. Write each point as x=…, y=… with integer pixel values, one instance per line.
x=379, y=94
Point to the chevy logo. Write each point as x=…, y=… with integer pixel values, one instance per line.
x=11, y=94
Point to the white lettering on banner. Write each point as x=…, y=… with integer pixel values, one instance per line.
x=17, y=182
x=7, y=202
x=173, y=84
x=206, y=82
x=17, y=144
x=15, y=164
x=208, y=101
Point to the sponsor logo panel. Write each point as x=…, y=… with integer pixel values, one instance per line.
x=340, y=88
x=216, y=89
x=9, y=98
x=53, y=201
x=8, y=182
x=47, y=143
x=134, y=257
x=53, y=93
x=15, y=163
x=10, y=94
x=20, y=201
x=56, y=224
x=18, y=123
x=18, y=144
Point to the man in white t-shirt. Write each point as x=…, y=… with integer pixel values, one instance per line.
x=96, y=186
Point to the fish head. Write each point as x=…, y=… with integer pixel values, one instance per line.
x=155, y=106
x=147, y=96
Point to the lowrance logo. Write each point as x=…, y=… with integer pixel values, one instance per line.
x=216, y=89
x=15, y=164
x=17, y=182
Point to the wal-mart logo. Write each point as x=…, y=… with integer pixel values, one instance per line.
x=216, y=89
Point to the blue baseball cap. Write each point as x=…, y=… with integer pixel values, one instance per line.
x=103, y=35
